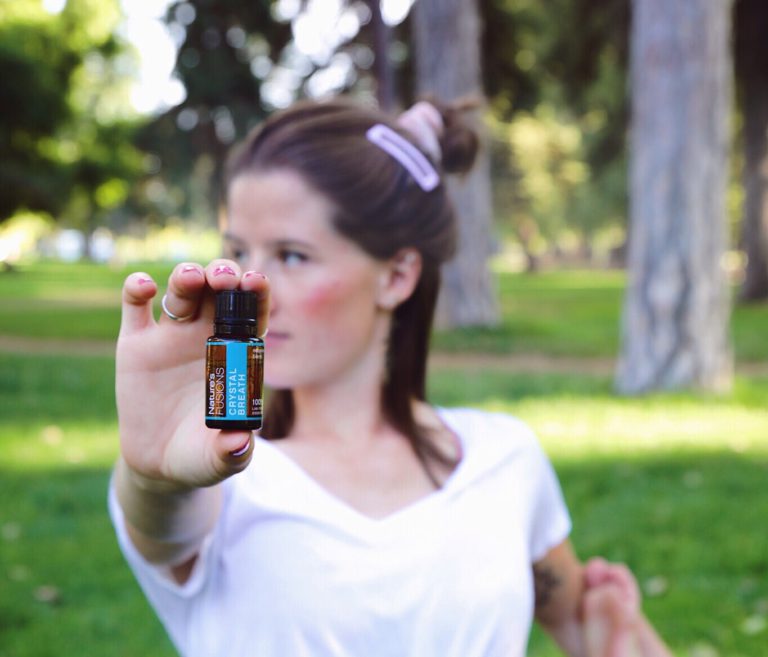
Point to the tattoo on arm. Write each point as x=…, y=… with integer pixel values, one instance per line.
x=545, y=581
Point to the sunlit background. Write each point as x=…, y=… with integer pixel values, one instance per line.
x=143, y=83
x=116, y=117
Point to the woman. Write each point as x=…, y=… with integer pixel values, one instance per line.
x=368, y=522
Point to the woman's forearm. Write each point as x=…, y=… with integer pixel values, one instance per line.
x=166, y=524
x=648, y=641
x=569, y=637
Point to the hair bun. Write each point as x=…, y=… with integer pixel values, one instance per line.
x=460, y=141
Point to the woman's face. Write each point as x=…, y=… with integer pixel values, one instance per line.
x=325, y=317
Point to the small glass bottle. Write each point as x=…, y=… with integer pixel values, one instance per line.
x=234, y=364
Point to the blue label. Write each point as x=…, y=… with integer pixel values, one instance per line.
x=233, y=381
x=237, y=381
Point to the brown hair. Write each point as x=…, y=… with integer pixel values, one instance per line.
x=381, y=208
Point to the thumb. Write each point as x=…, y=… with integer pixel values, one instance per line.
x=230, y=452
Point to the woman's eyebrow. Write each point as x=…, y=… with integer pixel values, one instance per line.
x=233, y=238
x=291, y=242
x=279, y=243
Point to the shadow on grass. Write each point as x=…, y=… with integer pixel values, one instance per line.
x=64, y=587
x=56, y=388
x=470, y=387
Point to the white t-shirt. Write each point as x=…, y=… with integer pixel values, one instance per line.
x=293, y=571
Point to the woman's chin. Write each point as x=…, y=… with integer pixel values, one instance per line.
x=280, y=380
x=276, y=384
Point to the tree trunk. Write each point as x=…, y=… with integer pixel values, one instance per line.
x=675, y=324
x=382, y=65
x=446, y=36
x=752, y=79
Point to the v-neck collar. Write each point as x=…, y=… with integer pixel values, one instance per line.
x=290, y=489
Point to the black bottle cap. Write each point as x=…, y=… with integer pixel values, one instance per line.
x=236, y=307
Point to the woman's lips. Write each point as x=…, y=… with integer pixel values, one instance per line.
x=275, y=337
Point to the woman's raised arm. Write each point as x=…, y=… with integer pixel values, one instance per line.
x=170, y=461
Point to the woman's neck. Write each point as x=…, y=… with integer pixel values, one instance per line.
x=346, y=408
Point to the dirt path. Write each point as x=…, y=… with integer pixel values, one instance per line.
x=439, y=360
x=552, y=364
x=523, y=363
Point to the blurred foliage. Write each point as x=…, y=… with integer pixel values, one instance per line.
x=547, y=194
x=35, y=73
x=555, y=73
x=239, y=62
x=66, y=135
x=557, y=95
x=566, y=54
x=557, y=91
x=218, y=45
x=21, y=234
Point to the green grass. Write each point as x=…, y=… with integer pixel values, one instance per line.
x=672, y=484
x=64, y=587
x=66, y=301
x=558, y=313
x=574, y=313
x=577, y=313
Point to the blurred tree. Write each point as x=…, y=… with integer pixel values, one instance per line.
x=531, y=58
x=35, y=77
x=446, y=36
x=675, y=330
x=751, y=55
x=382, y=63
x=226, y=51
x=64, y=126
x=240, y=61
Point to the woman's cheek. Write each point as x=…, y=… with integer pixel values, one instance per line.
x=323, y=298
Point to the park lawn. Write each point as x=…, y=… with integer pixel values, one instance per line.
x=672, y=484
x=63, y=301
x=573, y=313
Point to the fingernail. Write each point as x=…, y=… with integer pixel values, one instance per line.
x=223, y=269
x=250, y=274
x=187, y=268
x=142, y=280
x=242, y=450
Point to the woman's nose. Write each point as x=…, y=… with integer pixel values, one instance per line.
x=253, y=262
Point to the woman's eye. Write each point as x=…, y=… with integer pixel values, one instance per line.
x=292, y=258
x=229, y=251
x=238, y=255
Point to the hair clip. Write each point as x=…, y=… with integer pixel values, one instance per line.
x=410, y=157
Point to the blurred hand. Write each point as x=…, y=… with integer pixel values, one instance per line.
x=160, y=377
x=611, y=610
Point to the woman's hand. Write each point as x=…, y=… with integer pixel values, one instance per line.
x=611, y=609
x=592, y=610
x=614, y=625
x=160, y=378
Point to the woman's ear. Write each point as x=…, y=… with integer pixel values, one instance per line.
x=399, y=278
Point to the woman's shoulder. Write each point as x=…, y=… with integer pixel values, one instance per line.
x=491, y=437
x=473, y=421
